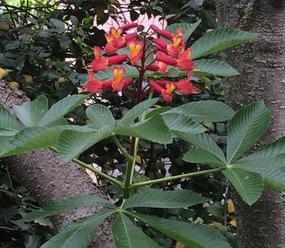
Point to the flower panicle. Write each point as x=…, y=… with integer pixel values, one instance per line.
x=168, y=52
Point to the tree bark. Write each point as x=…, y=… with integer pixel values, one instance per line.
x=262, y=68
x=48, y=177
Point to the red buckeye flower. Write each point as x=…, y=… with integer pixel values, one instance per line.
x=167, y=88
x=94, y=85
x=101, y=63
x=184, y=63
x=158, y=66
x=135, y=48
x=116, y=39
x=119, y=82
x=164, y=33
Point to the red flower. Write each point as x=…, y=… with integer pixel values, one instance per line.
x=116, y=39
x=119, y=82
x=167, y=88
x=100, y=63
x=158, y=66
x=184, y=63
x=94, y=85
x=135, y=48
x=164, y=33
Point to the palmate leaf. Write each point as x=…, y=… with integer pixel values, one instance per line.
x=249, y=185
x=30, y=139
x=188, y=28
x=190, y=234
x=72, y=143
x=246, y=128
x=7, y=121
x=137, y=111
x=205, y=111
x=79, y=234
x=100, y=116
x=180, y=124
x=220, y=39
x=153, y=129
x=206, y=143
x=60, y=109
x=57, y=206
x=30, y=113
x=269, y=151
x=268, y=162
x=154, y=198
x=128, y=235
x=213, y=67
x=201, y=156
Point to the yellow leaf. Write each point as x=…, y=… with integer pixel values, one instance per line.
x=233, y=222
x=231, y=207
x=2, y=73
x=215, y=225
x=179, y=245
x=14, y=85
x=139, y=159
x=61, y=80
x=28, y=79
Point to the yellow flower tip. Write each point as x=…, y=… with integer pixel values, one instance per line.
x=135, y=48
x=14, y=85
x=170, y=88
x=2, y=73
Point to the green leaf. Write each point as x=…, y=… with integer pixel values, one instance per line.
x=206, y=143
x=155, y=198
x=72, y=143
x=101, y=116
x=246, y=128
x=153, y=129
x=30, y=113
x=205, y=111
x=79, y=234
x=220, y=39
x=30, y=139
x=248, y=184
x=213, y=67
x=188, y=28
x=179, y=123
x=60, y=109
x=128, y=235
x=201, y=156
x=137, y=111
x=56, y=206
x=7, y=121
x=265, y=163
x=269, y=151
x=190, y=234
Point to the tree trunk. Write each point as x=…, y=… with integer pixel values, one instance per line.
x=261, y=65
x=48, y=177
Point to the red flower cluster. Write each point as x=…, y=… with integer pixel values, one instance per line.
x=172, y=53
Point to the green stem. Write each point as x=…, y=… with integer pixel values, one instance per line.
x=122, y=149
x=172, y=178
x=100, y=173
x=130, y=170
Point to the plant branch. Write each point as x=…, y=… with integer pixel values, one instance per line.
x=177, y=177
x=130, y=170
x=122, y=149
x=100, y=173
